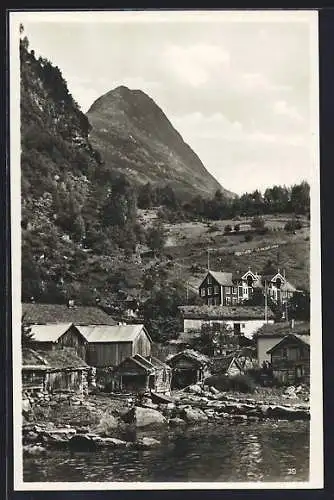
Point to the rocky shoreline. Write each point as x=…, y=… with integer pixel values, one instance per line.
x=195, y=405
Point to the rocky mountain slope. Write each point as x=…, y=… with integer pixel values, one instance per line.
x=136, y=138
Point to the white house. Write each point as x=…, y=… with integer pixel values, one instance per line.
x=244, y=320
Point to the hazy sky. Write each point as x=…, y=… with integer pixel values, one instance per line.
x=238, y=92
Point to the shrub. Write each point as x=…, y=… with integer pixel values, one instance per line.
x=238, y=383
x=213, y=229
x=242, y=383
x=257, y=222
x=237, y=228
x=228, y=228
x=248, y=237
x=292, y=225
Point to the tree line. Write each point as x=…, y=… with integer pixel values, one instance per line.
x=276, y=199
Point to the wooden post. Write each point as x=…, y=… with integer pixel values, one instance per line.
x=265, y=302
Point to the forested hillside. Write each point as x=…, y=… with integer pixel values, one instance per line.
x=77, y=217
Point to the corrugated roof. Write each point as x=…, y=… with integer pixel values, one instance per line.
x=50, y=332
x=61, y=313
x=105, y=333
x=283, y=328
x=225, y=312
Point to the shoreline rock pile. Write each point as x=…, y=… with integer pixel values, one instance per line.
x=195, y=405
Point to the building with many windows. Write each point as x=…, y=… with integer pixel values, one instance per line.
x=222, y=288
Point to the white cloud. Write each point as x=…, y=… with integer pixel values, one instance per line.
x=193, y=64
x=282, y=108
x=259, y=81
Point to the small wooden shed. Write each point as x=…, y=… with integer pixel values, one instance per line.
x=137, y=373
x=34, y=368
x=108, y=346
x=52, y=336
x=290, y=359
x=54, y=370
x=188, y=367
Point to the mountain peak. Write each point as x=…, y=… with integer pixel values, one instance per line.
x=135, y=137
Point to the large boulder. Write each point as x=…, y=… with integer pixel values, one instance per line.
x=82, y=442
x=33, y=449
x=107, y=425
x=57, y=437
x=108, y=442
x=144, y=417
x=145, y=443
x=288, y=413
x=176, y=421
x=26, y=405
x=194, y=389
x=193, y=415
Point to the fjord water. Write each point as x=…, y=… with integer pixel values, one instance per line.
x=215, y=452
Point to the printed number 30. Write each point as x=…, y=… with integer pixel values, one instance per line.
x=291, y=471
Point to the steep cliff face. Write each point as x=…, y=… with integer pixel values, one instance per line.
x=75, y=213
x=135, y=137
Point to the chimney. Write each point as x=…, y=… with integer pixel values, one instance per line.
x=70, y=303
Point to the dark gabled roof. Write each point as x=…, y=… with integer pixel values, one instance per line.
x=40, y=314
x=283, y=328
x=196, y=356
x=57, y=359
x=222, y=363
x=224, y=279
x=225, y=312
x=301, y=339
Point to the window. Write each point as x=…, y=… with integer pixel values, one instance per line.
x=216, y=301
x=209, y=290
x=216, y=289
x=202, y=292
x=240, y=290
x=209, y=280
x=236, y=328
x=228, y=289
x=234, y=301
x=243, y=325
x=294, y=353
x=284, y=353
x=228, y=301
x=234, y=290
x=210, y=302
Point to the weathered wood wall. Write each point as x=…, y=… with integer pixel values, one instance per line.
x=102, y=354
x=72, y=338
x=142, y=345
x=65, y=380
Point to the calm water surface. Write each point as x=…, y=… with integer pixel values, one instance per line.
x=213, y=452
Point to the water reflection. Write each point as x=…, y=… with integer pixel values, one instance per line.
x=264, y=452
